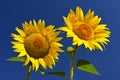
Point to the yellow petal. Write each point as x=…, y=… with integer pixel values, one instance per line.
x=103, y=40
x=27, y=28
x=79, y=14
x=41, y=25
x=77, y=40
x=17, y=37
x=52, y=35
x=18, y=46
x=91, y=45
x=27, y=60
x=56, y=44
x=36, y=64
x=19, y=49
x=67, y=23
x=101, y=27
x=88, y=45
x=47, y=62
x=89, y=15
x=21, y=32
x=94, y=22
x=63, y=29
x=52, y=60
x=35, y=24
x=101, y=35
x=48, y=29
x=22, y=53
x=54, y=54
x=33, y=64
x=98, y=46
x=56, y=39
x=42, y=62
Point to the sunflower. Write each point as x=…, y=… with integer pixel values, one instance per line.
x=86, y=29
x=39, y=44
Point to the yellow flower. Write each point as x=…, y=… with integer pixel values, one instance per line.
x=38, y=43
x=86, y=29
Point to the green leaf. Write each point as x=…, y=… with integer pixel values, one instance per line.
x=84, y=65
x=62, y=74
x=18, y=59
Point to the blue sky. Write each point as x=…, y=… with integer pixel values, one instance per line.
x=14, y=12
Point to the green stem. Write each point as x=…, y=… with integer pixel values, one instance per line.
x=72, y=63
x=28, y=72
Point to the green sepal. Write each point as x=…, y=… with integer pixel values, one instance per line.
x=42, y=71
x=17, y=59
x=56, y=60
x=86, y=66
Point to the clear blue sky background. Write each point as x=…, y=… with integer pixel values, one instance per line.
x=14, y=12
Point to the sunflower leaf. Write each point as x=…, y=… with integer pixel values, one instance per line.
x=86, y=66
x=62, y=74
x=18, y=59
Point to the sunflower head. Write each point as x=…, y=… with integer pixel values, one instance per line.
x=39, y=44
x=86, y=29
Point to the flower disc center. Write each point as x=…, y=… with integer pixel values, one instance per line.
x=84, y=31
x=36, y=45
